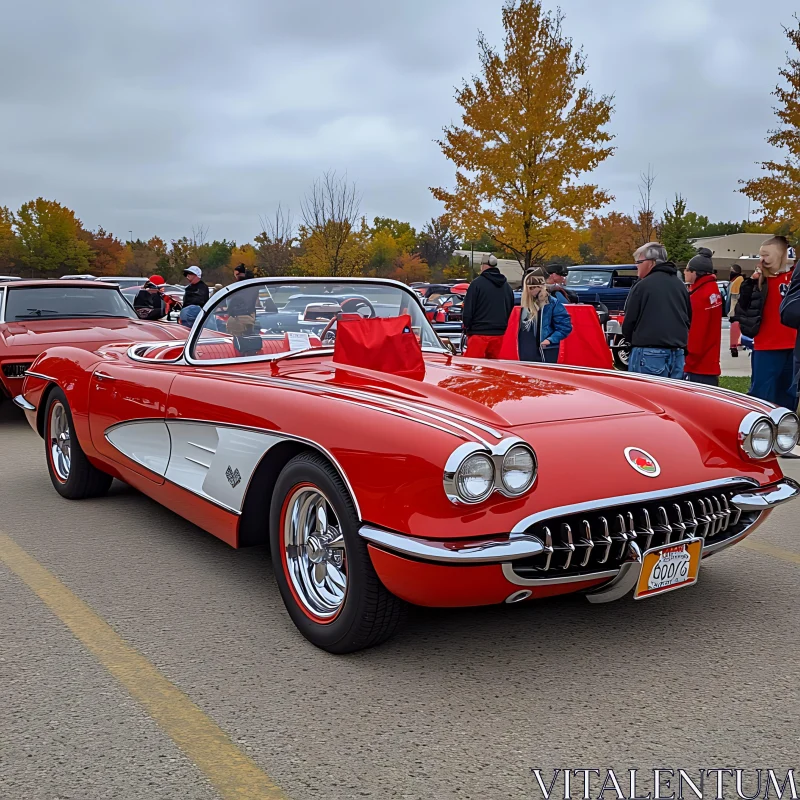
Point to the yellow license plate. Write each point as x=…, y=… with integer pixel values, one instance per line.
x=672, y=566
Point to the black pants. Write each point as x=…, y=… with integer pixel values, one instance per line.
x=708, y=380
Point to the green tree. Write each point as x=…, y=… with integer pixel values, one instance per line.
x=675, y=232
x=436, y=244
x=49, y=238
x=9, y=243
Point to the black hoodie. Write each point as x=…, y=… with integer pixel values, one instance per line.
x=488, y=304
x=658, y=311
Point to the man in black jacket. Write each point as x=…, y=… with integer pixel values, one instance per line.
x=487, y=307
x=657, y=315
x=197, y=293
x=148, y=303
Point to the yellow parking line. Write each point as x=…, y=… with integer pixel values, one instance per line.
x=770, y=550
x=232, y=773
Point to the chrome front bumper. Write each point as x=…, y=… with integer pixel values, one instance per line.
x=503, y=550
x=768, y=497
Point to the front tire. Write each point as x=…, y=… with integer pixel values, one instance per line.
x=71, y=473
x=322, y=566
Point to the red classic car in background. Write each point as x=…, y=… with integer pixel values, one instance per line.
x=35, y=315
x=383, y=470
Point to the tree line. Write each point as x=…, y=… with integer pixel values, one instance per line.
x=532, y=131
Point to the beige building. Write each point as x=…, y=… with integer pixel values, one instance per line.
x=511, y=268
x=736, y=248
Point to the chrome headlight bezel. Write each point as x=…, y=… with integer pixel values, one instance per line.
x=502, y=486
x=748, y=426
x=497, y=456
x=779, y=416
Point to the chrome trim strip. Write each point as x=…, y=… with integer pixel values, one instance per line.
x=337, y=466
x=767, y=497
x=195, y=461
x=426, y=410
x=30, y=374
x=22, y=403
x=203, y=447
x=605, y=502
x=512, y=577
x=370, y=402
x=483, y=551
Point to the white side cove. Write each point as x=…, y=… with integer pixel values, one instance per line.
x=215, y=462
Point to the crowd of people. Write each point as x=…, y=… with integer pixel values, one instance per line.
x=673, y=323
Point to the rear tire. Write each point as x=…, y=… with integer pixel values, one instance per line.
x=322, y=565
x=71, y=473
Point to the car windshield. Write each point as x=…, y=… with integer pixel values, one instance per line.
x=65, y=302
x=585, y=277
x=266, y=317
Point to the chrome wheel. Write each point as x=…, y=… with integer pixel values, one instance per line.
x=60, y=441
x=316, y=558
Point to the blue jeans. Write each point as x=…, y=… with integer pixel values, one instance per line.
x=657, y=361
x=774, y=378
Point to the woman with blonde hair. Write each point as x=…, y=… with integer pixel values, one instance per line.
x=758, y=313
x=537, y=327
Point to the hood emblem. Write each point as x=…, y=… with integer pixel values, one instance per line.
x=642, y=462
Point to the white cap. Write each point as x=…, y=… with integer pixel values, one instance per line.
x=194, y=270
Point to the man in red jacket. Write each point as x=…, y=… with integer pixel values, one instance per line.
x=705, y=332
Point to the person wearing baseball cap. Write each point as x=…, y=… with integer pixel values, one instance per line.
x=197, y=292
x=149, y=303
x=705, y=330
x=556, y=284
x=487, y=307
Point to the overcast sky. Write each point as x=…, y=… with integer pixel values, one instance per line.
x=157, y=115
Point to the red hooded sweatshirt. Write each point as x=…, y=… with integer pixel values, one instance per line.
x=705, y=332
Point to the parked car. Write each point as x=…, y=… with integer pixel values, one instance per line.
x=35, y=315
x=78, y=278
x=126, y=282
x=8, y=278
x=609, y=285
x=432, y=482
x=620, y=346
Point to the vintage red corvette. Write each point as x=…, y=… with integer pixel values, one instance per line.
x=383, y=470
x=35, y=315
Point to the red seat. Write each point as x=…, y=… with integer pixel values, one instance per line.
x=210, y=351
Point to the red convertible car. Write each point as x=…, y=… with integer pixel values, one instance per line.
x=383, y=470
x=35, y=315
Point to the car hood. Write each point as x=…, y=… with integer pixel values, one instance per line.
x=505, y=395
x=37, y=335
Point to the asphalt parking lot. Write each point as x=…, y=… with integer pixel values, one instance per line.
x=462, y=704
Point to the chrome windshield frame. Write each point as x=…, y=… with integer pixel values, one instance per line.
x=197, y=329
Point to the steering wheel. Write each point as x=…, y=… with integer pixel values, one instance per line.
x=356, y=303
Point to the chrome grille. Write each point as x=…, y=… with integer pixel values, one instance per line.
x=15, y=370
x=597, y=540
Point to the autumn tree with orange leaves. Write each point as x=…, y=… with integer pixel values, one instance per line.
x=778, y=192
x=529, y=135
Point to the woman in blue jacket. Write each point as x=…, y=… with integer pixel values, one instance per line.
x=537, y=328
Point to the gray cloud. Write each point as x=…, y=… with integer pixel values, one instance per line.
x=153, y=116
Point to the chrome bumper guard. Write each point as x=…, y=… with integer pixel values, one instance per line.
x=768, y=497
x=22, y=403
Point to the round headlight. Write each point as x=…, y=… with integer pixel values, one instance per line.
x=519, y=470
x=762, y=438
x=788, y=433
x=475, y=478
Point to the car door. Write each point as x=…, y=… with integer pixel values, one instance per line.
x=127, y=392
